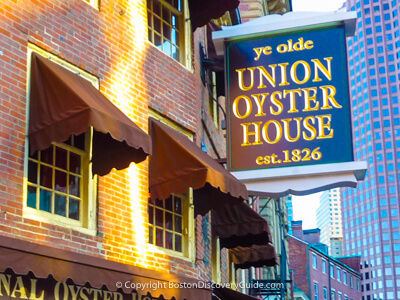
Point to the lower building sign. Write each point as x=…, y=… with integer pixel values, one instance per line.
x=13, y=286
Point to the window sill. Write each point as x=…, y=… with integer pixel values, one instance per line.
x=30, y=213
x=171, y=253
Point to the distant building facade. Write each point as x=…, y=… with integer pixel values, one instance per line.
x=329, y=220
x=371, y=212
x=317, y=275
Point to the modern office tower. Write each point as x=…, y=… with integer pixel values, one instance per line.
x=371, y=211
x=329, y=221
x=289, y=205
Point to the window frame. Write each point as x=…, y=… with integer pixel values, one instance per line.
x=190, y=252
x=314, y=261
x=88, y=210
x=184, y=37
x=187, y=228
x=94, y=3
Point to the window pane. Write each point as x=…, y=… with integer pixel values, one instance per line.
x=178, y=224
x=32, y=172
x=74, y=185
x=159, y=238
x=46, y=156
x=79, y=141
x=151, y=229
x=74, y=209
x=159, y=218
x=61, y=181
x=167, y=32
x=60, y=205
x=61, y=158
x=46, y=176
x=168, y=204
x=157, y=25
x=168, y=221
x=178, y=243
x=75, y=163
x=157, y=8
x=169, y=240
x=45, y=200
x=31, y=197
x=178, y=205
x=151, y=215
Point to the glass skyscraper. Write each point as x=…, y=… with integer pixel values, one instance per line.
x=371, y=211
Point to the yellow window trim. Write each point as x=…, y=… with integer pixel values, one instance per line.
x=155, y=115
x=189, y=234
x=88, y=223
x=186, y=37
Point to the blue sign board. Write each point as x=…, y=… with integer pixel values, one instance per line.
x=288, y=100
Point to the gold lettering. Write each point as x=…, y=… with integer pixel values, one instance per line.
x=277, y=103
x=278, y=129
x=283, y=74
x=5, y=283
x=33, y=291
x=246, y=134
x=309, y=128
x=309, y=45
x=260, y=103
x=19, y=288
x=74, y=293
x=57, y=290
x=328, y=95
x=308, y=98
x=307, y=72
x=83, y=295
x=319, y=66
x=286, y=129
x=264, y=74
x=235, y=107
x=292, y=94
x=322, y=125
x=241, y=79
x=258, y=52
x=107, y=295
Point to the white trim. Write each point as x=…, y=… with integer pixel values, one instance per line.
x=277, y=23
x=303, y=180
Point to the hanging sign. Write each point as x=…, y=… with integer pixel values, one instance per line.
x=288, y=100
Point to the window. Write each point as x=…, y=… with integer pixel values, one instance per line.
x=314, y=261
x=56, y=178
x=324, y=266
x=332, y=271
x=166, y=24
x=338, y=275
x=60, y=186
x=345, y=277
x=351, y=282
x=169, y=223
x=325, y=293
x=333, y=294
x=316, y=291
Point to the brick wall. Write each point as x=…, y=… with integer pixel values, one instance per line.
x=110, y=43
x=298, y=263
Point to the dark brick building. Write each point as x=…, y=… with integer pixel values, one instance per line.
x=317, y=275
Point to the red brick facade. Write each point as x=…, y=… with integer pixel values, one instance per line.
x=311, y=272
x=110, y=43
